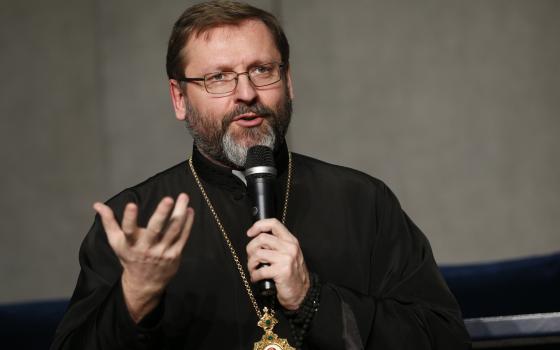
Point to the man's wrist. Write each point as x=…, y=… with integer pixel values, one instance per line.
x=140, y=300
x=300, y=319
x=294, y=306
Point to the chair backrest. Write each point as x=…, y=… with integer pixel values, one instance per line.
x=513, y=287
x=30, y=325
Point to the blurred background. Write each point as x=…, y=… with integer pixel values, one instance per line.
x=454, y=104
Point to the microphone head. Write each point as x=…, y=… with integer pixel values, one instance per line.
x=259, y=156
x=260, y=160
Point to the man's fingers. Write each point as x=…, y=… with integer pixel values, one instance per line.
x=178, y=246
x=268, y=272
x=264, y=256
x=264, y=273
x=187, y=228
x=109, y=223
x=130, y=216
x=107, y=218
x=263, y=241
x=176, y=221
x=159, y=217
x=271, y=226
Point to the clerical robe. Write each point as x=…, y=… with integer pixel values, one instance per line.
x=381, y=288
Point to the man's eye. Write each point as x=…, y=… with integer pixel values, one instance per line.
x=216, y=77
x=262, y=69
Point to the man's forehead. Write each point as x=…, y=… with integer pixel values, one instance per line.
x=224, y=36
x=228, y=29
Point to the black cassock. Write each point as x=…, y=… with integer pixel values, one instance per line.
x=381, y=288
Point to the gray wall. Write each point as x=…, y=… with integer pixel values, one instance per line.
x=453, y=103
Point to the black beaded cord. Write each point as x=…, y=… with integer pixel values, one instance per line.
x=300, y=319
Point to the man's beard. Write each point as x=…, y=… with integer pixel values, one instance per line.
x=219, y=142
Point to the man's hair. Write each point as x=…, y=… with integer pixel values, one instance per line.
x=200, y=18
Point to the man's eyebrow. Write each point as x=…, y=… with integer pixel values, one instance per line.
x=222, y=68
x=216, y=68
x=261, y=62
x=228, y=68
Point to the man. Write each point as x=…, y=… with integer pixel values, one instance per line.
x=351, y=270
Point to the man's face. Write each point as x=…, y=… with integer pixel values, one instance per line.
x=225, y=126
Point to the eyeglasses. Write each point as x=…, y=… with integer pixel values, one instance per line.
x=226, y=82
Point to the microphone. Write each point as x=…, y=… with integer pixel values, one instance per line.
x=260, y=173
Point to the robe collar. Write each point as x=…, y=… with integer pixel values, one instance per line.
x=223, y=177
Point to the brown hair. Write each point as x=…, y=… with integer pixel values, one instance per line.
x=201, y=17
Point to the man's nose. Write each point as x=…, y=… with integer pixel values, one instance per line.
x=245, y=90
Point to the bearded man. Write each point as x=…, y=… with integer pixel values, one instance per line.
x=351, y=270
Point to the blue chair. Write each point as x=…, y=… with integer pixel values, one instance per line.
x=513, y=287
x=31, y=325
x=511, y=304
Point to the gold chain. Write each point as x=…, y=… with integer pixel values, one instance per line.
x=226, y=237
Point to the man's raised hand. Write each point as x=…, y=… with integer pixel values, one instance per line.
x=150, y=256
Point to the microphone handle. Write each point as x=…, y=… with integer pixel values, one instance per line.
x=261, y=191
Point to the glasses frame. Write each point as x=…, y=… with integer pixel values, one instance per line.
x=203, y=79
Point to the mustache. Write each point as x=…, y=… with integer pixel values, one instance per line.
x=257, y=108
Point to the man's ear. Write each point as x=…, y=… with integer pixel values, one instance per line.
x=177, y=98
x=289, y=82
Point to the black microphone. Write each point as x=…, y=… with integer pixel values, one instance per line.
x=260, y=173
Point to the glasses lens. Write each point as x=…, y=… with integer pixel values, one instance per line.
x=265, y=74
x=225, y=82
x=220, y=82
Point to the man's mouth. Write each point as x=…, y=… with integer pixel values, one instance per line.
x=248, y=120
